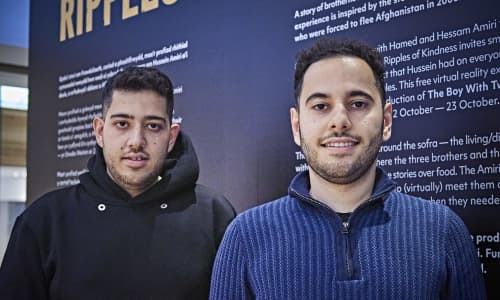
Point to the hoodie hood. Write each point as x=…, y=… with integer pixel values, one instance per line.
x=180, y=172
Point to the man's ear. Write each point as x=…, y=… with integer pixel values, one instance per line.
x=387, y=130
x=174, y=132
x=98, y=125
x=294, y=122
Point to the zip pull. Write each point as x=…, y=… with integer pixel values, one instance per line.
x=345, y=227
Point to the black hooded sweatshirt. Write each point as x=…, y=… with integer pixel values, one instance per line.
x=94, y=241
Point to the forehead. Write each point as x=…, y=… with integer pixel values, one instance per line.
x=137, y=103
x=340, y=73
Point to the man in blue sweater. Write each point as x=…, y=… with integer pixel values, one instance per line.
x=343, y=232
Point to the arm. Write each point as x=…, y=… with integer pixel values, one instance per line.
x=21, y=273
x=465, y=278
x=223, y=215
x=230, y=273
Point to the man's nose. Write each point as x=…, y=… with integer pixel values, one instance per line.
x=339, y=119
x=136, y=140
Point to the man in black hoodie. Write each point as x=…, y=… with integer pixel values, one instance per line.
x=137, y=226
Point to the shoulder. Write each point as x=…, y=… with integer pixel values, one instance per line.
x=409, y=202
x=208, y=198
x=271, y=208
x=207, y=194
x=52, y=198
x=45, y=212
x=52, y=202
x=430, y=210
x=263, y=226
x=273, y=214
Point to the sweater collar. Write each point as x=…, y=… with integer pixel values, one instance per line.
x=300, y=186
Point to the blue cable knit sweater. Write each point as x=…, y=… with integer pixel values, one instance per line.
x=394, y=246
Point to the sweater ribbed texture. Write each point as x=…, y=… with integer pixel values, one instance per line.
x=397, y=247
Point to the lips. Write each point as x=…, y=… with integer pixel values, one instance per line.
x=340, y=142
x=135, y=160
x=340, y=145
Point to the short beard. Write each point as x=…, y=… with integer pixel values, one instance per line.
x=123, y=180
x=140, y=183
x=339, y=172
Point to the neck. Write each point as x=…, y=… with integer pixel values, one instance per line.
x=342, y=198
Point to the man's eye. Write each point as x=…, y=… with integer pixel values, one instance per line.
x=319, y=106
x=154, y=126
x=358, y=104
x=121, y=124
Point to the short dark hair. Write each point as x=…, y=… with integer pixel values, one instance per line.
x=139, y=79
x=329, y=47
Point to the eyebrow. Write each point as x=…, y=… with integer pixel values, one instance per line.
x=316, y=95
x=360, y=93
x=148, y=117
x=353, y=93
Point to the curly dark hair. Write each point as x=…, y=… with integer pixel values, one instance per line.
x=329, y=47
x=139, y=79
